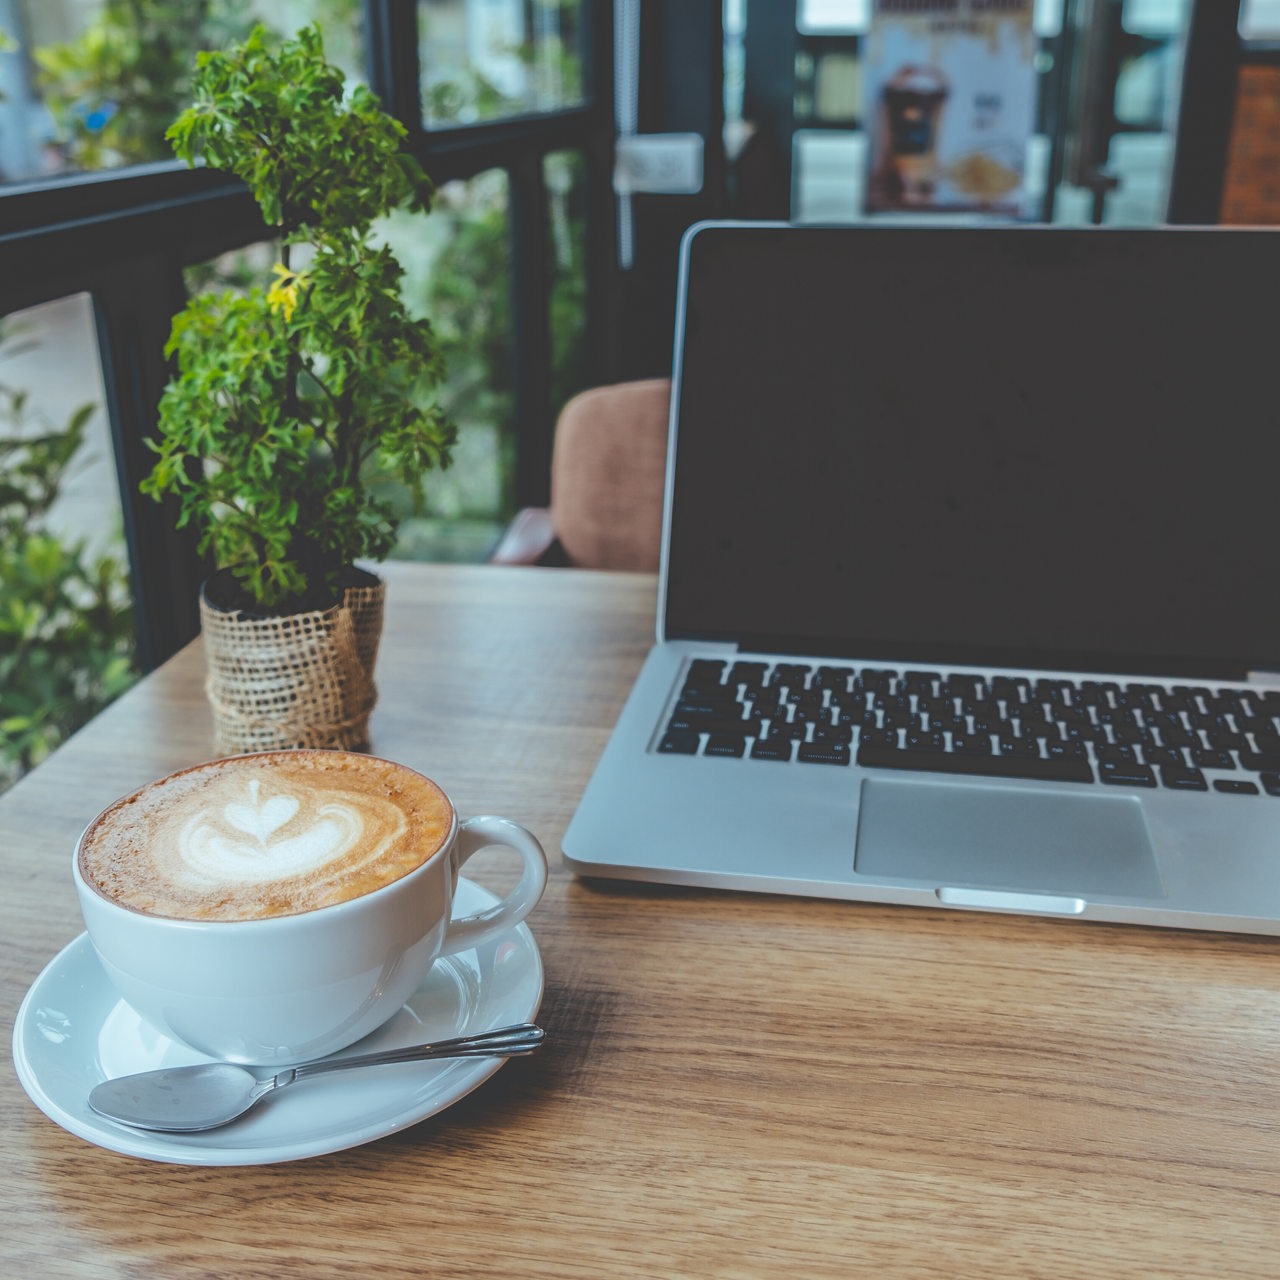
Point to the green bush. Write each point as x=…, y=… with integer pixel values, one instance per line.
x=66, y=620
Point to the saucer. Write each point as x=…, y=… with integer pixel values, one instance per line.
x=73, y=1031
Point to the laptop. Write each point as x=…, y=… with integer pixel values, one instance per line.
x=968, y=593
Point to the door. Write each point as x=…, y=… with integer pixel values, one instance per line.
x=669, y=169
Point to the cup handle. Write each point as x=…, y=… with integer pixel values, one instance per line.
x=480, y=833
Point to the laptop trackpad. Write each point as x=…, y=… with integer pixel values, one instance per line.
x=967, y=834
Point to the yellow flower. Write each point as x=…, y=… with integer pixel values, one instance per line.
x=283, y=295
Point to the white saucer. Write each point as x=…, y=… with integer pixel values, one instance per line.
x=74, y=1031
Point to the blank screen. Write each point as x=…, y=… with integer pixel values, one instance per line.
x=1040, y=446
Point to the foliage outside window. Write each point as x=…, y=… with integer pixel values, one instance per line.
x=66, y=625
x=503, y=58
x=113, y=91
x=462, y=282
x=102, y=96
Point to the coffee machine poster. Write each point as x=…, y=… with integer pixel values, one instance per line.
x=950, y=105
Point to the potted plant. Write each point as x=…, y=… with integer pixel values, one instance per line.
x=294, y=399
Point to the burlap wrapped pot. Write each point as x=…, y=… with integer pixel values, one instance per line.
x=301, y=680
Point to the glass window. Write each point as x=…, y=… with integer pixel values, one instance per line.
x=566, y=194
x=1260, y=19
x=94, y=86
x=484, y=59
x=458, y=273
x=66, y=631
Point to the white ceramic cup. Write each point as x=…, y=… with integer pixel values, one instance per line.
x=289, y=988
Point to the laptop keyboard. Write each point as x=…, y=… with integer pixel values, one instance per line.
x=1184, y=737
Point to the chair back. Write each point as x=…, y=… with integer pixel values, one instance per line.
x=608, y=475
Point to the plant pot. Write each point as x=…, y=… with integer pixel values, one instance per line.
x=293, y=680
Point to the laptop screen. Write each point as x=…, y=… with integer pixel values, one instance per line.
x=1027, y=446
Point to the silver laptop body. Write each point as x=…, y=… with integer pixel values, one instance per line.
x=968, y=592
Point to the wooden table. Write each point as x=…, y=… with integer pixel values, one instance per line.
x=734, y=1085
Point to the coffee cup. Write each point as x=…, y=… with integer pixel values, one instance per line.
x=271, y=908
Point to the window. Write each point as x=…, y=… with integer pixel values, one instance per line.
x=459, y=274
x=496, y=106
x=94, y=86
x=488, y=59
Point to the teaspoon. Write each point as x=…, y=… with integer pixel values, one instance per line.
x=209, y=1094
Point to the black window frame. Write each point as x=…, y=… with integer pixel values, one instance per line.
x=125, y=237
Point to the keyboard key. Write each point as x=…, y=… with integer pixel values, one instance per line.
x=1124, y=773
x=702, y=705
x=679, y=744
x=1260, y=761
x=877, y=681
x=1177, y=736
x=725, y=744
x=822, y=753
x=1179, y=778
x=1209, y=759
x=838, y=735
x=1270, y=783
x=970, y=688
x=785, y=731
x=749, y=673
x=692, y=718
x=794, y=675
x=1010, y=688
x=1235, y=786
x=711, y=669
x=834, y=678
x=921, y=682
x=1227, y=703
x=1132, y=735
x=771, y=749
x=873, y=755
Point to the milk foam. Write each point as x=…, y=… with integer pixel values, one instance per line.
x=275, y=836
x=265, y=835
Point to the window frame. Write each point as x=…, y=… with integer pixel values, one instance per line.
x=125, y=238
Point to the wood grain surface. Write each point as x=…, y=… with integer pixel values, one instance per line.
x=734, y=1085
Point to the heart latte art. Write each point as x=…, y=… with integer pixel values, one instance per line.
x=270, y=837
x=265, y=835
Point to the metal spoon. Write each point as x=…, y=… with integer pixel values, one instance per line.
x=209, y=1094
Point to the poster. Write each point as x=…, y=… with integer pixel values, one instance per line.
x=950, y=105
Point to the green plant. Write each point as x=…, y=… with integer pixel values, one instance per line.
x=66, y=624
x=115, y=89
x=290, y=401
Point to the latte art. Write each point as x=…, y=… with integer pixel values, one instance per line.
x=265, y=835
x=281, y=836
